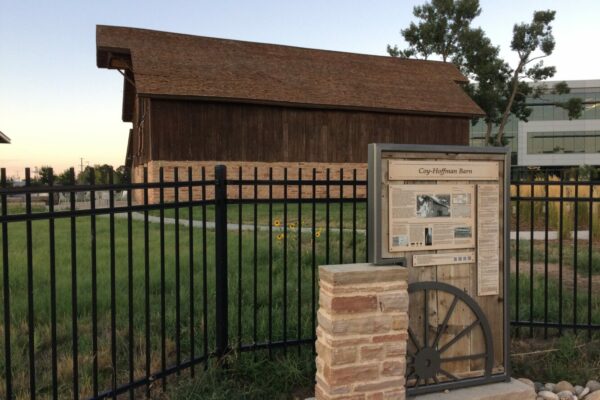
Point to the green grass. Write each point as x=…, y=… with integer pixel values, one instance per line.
x=574, y=358
x=277, y=215
x=568, y=250
x=532, y=307
x=283, y=278
x=246, y=378
x=248, y=375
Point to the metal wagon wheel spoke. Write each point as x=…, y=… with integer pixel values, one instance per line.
x=413, y=338
x=444, y=325
x=424, y=363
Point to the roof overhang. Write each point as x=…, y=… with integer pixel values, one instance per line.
x=167, y=65
x=4, y=138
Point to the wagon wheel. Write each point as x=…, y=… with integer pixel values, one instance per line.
x=424, y=365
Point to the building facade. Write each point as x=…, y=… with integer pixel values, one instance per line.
x=549, y=138
x=197, y=101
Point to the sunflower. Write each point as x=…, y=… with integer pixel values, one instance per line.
x=318, y=234
x=291, y=225
x=280, y=236
x=276, y=222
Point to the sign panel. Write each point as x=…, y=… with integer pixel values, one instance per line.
x=488, y=240
x=442, y=170
x=430, y=217
x=443, y=213
x=425, y=260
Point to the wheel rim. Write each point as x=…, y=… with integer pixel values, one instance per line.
x=425, y=364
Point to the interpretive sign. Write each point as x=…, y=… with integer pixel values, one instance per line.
x=441, y=212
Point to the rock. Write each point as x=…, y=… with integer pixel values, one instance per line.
x=564, y=386
x=583, y=393
x=538, y=386
x=565, y=395
x=593, y=385
x=528, y=382
x=578, y=389
x=549, y=387
x=593, y=396
x=547, y=395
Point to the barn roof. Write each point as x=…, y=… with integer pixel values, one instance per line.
x=170, y=64
x=4, y=138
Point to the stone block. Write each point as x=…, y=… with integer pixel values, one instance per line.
x=361, y=333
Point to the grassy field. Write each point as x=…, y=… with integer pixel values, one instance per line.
x=285, y=278
x=573, y=214
x=249, y=375
x=568, y=250
x=277, y=215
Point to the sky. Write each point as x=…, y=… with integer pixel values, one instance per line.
x=59, y=108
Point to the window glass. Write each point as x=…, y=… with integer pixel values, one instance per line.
x=579, y=143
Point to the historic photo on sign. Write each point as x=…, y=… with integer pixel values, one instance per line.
x=431, y=206
x=431, y=217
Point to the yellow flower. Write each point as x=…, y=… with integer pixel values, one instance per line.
x=280, y=236
x=291, y=225
x=277, y=222
x=318, y=234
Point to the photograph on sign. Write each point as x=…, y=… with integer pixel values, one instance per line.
x=430, y=217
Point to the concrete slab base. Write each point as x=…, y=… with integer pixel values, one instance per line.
x=513, y=390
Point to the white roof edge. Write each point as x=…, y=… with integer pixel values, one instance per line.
x=578, y=83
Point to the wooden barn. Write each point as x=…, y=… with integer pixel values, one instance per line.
x=198, y=101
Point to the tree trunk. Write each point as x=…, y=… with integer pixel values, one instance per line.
x=515, y=85
x=488, y=132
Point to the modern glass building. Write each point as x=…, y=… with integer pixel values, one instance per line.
x=549, y=138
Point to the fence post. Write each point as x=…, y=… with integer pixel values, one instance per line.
x=222, y=317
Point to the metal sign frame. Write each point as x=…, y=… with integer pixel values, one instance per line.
x=375, y=236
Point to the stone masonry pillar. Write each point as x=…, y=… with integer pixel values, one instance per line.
x=362, y=332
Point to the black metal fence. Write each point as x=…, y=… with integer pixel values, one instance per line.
x=110, y=289
x=106, y=295
x=555, y=260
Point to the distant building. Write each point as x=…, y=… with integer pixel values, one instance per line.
x=4, y=138
x=549, y=138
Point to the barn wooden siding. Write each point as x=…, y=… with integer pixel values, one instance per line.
x=219, y=131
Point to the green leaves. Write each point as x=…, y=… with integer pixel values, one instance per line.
x=440, y=25
x=443, y=29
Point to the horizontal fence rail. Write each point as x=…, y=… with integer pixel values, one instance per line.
x=114, y=289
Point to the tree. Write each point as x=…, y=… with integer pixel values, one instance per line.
x=123, y=174
x=85, y=176
x=45, y=175
x=65, y=178
x=533, y=42
x=438, y=32
x=444, y=31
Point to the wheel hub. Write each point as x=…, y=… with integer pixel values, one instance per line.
x=427, y=363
